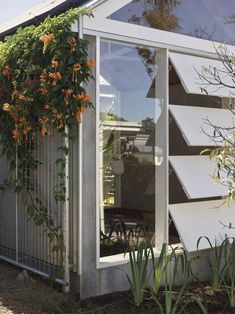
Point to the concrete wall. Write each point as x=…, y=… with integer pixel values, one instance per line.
x=114, y=278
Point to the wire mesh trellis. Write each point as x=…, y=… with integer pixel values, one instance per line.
x=21, y=240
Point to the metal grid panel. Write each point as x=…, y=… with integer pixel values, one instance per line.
x=21, y=241
x=7, y=217
x=74, y=204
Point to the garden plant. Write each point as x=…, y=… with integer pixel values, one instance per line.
x=44, y=71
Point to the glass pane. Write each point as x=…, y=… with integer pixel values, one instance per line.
x=130, y=111
x=207, y=19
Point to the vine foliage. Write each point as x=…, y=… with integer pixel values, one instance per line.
x=44, y=71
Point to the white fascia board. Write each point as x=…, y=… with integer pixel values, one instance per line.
x=208, y=219
x=190, y=69
x=104, y=9
x=195, y=173
x=194, y=123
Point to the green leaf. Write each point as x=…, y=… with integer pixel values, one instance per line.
x=30, y=210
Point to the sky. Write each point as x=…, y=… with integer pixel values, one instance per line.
x=11, y=8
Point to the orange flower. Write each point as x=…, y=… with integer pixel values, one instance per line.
x=6, y=107
x=43, y=91
x=58, y=118
x=79, y=112
x=52, y=75
x=55, y=77
x=22, y=97
x=87, y=98
x=43, y=121
x=68, y=91
x=73, y=43
x=59, y=77
x=82, y=109
x=43, y=77
x=91, y=63
x=43, y=130
x=16, y=93
x=76, y=68
x=55, y=64
x=6, y=71
x=46, y=39
x=15, y=135
x=26, y=130
x=83, y=97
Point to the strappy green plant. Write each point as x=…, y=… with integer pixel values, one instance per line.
x=217, y=262
x=174, y=301
x=139, y=279
x=159, y=268
x=174, y=262
x=229, y=273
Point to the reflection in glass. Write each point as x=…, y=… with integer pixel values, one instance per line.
x=129, y=114
x=207, y=19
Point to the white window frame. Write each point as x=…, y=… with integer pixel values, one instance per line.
x=161, y=225
x=102, y=27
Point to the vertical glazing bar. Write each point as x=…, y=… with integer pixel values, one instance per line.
x=80, y=136
x=166, y=155
x=98, y=183
x=161, y=150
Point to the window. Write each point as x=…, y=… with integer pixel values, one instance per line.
x=207, y=19
x=131, y=145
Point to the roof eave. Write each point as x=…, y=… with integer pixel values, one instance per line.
x=31, y=16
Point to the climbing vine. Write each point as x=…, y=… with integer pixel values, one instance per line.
x=43, y=75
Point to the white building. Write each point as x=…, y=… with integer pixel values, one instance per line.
x=137, y=170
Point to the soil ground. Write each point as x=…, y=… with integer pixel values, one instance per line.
x=30, y=296
x=37, y=296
